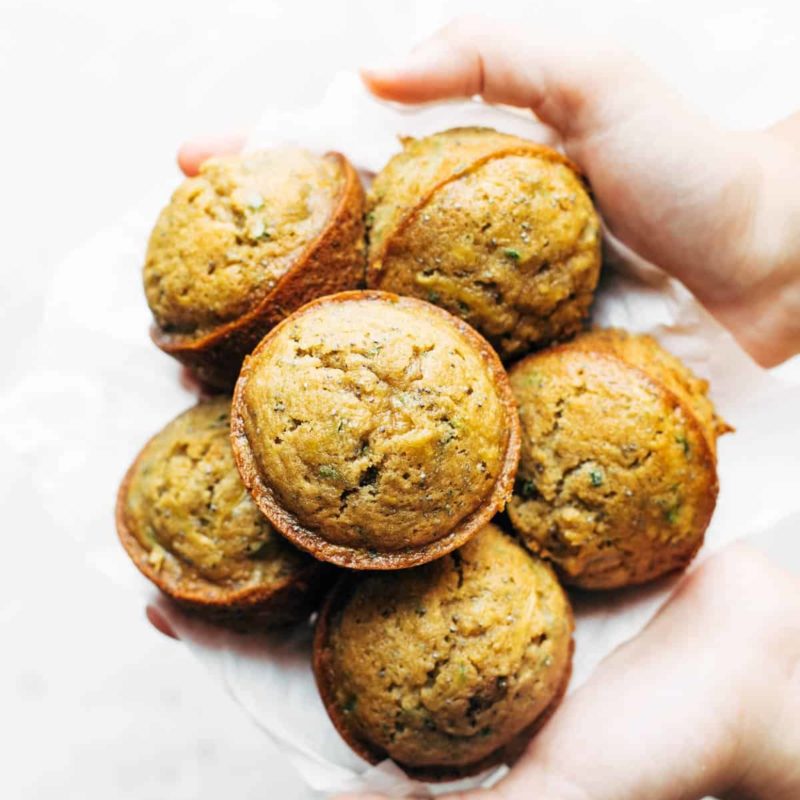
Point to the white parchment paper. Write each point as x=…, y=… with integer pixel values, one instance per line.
x=114, y=389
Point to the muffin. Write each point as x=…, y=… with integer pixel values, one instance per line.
x=449, y=668
x=617, y=479
x=189, y=525
x=496, y=229
x=245, y=243
x=375, y=431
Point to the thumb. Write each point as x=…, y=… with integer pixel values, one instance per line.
x=567, y=84
x=670, y=184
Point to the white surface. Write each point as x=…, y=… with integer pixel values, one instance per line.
x=96, y=96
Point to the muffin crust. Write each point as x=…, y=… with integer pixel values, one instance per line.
x=617, y=480
x=375, y=431
x=188, y=523
x=447, y=668
x=244, y=243
x=496, y=229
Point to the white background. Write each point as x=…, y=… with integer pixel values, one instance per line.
x=94, y=99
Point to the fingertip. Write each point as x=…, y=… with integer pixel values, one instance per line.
x=193, y=153
x=159, y=622
x=388, y=83
x=188, y=160
x=374, y=78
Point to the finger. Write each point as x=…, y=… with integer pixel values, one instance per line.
x=458, y=61
x=559, y=79
x=193, y=153
x=159, y=622
x=190, y=381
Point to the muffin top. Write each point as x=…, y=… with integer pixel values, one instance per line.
x=442, y=665
x=496, y=229
x=229, y=234
x=187, y=507
x=378, y=423
x=617, y=479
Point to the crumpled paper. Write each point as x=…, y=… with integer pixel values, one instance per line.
x=114, y=390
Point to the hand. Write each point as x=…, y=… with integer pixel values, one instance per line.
x=705, y=701
x=718, y=210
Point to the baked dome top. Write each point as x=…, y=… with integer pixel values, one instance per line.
x=230, y=233
x=498, y=230
x=379, y=423
x=617, y=479
x=186, y=505
x=441, y=665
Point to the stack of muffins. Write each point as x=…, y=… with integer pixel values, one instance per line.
x=375, y=462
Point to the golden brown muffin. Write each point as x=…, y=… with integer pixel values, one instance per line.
x=245, y=243
x=496, y=229
x=448, y=668
x=375, y=431
x=617, y=479
x=189, y=525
